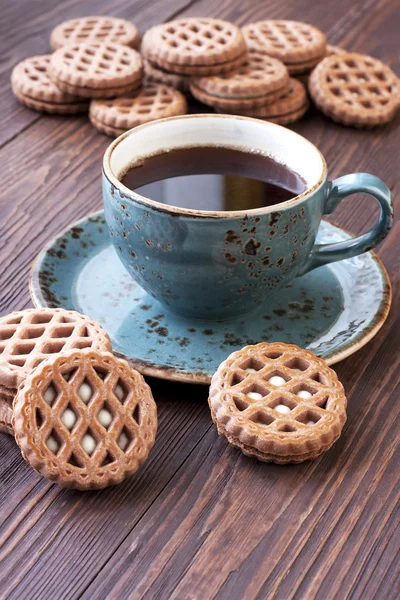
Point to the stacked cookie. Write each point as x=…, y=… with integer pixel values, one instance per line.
x=260, y=88
x=80, y=416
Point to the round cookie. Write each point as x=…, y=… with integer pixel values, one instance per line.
x=154, y=101
x=85, y=419
x=232, y=105
x=193, y=43
x=97, y=70
x=259, y=76
x=287, y=109
x=355, y=89
x=278, y=403
x=155, y=74
x=289, y=41
x=6, y=414
x=95, y=29
x=302, y=68
x=29, y=337
x=33, y=86
x=201, y=70
x=335, y=50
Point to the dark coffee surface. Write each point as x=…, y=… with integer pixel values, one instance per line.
x=214, y=178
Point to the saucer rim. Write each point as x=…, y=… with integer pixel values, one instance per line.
x=171, y=374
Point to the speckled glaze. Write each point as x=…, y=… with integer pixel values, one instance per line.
x=333, y=310
x=219, y=265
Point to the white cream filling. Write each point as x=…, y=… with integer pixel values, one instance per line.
x=119, y=392
x=123, y=441
x=50, y=394
x=277, y=380
x=68, y=418
x=52, y=444
x=105, y=417
x=85, y=392
x=304, y=394
x=254, y=396
x=282, y=408
x=88, y=443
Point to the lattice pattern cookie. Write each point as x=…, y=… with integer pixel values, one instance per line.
x=154, y=74
x=259, y=76
x=355, y=89
x=95, y=29
x=154, y=101
x=85, y=419
x=29, y=337
x=33, y=86
x=289, y=41
x=278, y=403
x=287, y=109
x=96, y=70
x=6, y=414
x=194, y=42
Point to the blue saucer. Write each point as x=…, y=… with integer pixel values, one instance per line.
x=333, y=310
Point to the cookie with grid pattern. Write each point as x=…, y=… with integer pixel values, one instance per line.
x=32, y=85
x=337, y=50
x=235, y=105
x=95, y=29
x=193, y=42
x=29, y=337
x=96, y=70
x=355, y=89
x=259, y=76
x=85, y=419
x=154, y=74
x=154, y=101
x=287, y=109
x=203, y=70
x=304, y=67
x=6, y=414
x=278, y=403
x=289, y=41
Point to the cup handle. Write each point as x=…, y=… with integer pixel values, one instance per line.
x=322, y=254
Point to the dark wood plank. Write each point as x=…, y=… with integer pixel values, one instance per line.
x=200, y=520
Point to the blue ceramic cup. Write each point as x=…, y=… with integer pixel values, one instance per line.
x=219, y=265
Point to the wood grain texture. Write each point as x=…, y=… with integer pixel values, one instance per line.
x=200, y=520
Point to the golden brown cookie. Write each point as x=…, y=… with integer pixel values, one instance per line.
x=335, y=50
x=259, y=76
x=95, y=29
x=154, y=74
x=154, y=101
x=33, y=86
x=302, y=68
x=355, y=89
x=184, y=45
x=204, y=71
x=278, y=403
x=29, y=337
x=97, y=70
x=6, y=414
x=287, y=109
x=85, y=419
x=289, y=41
x=233, y=105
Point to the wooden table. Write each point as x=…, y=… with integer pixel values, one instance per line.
x=200, y=520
